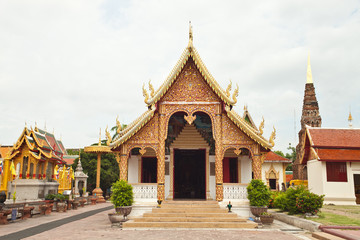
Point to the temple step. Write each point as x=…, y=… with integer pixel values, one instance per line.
x=189, y=219
x=132, y=224
x=189, y=210
x=189, y=214
x=199, y=215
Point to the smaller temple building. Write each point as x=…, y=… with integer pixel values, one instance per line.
x=30, y=167
x=274, y=171
x=332, y=160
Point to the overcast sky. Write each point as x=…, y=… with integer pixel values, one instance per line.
x=76, y=65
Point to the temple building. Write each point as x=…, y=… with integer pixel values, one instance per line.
x=190, y=143
x=34, y=156
x=274, y=171
x=310, y=117
x=332, y=157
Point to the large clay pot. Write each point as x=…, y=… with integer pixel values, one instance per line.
x=256, y=211
x=266, y=219
x=124, y=210
x=115, y=217
x=75, y=204
x=61, y=207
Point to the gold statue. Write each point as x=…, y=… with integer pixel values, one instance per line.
x=272, y=137
x=261, y=127
x=235, y=94
x=145, y=94
x=108, y=136
x=228, y=89
x=118, y=125
x=151, y=88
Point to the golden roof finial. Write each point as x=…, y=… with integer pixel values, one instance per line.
x=145, y=94
x=45, y=126
x=25, y=124
x=272, y=137
x=190, y=32
x=235, y=94
x=151, y=88
x=228, y=89
x=308, y=73
x=261, y=127
x=108, y=136
x=118, y=125
x=190, y=45
x=99, y=138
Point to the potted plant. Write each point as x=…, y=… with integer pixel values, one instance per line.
x=122, y=197
x=60, y=204
x=258, y=195
x=266, y=218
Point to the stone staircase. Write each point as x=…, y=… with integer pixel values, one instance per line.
x=189, y=214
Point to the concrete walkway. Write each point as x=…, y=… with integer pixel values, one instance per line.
x=91, y=222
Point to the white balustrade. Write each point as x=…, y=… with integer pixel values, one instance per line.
x=145, y=190
x=235, y=191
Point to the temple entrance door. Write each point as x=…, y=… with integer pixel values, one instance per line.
x=189, y=174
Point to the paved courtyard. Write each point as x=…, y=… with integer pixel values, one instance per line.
x=76, y=225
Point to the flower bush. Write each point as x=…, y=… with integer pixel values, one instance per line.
x=308, y=202
x=291, y=196
x=258, y=193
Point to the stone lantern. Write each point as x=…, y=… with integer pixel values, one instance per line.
x=80, y=178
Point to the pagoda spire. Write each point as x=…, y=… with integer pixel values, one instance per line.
x=350, y=120
x=190, y=45
x=308, y=72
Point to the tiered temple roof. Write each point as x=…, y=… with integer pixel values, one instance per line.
x=245, y=123
x=42, y=145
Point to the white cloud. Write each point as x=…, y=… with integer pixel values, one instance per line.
x=77, y=65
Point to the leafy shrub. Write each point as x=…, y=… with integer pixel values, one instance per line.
x=258, y=193
x=122, y=194
x=308, y=202
x=50, y=196
x=60, y=197
x=291, y=196
x=280, y=201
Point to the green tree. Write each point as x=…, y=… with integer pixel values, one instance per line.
x=109, y=172
x=291, y=156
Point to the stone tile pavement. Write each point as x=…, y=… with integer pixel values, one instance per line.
x=97, y=226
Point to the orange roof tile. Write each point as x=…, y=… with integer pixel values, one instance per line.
x=326, y=154
x=271, y=156
x=335, y=138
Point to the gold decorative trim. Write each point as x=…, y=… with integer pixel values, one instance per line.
x=97, y=149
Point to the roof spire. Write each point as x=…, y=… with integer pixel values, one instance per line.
x=190, y=36
x=308, y=73
x=45, y=126
x=350, y=119
x=100, y=138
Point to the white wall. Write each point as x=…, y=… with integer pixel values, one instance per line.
x=133, y=172
x=316, y=176
x=246, y=169
x=278, y=166
x=339, y=193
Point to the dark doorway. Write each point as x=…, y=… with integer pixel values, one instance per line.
x=149, y=170
x=189, y=174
